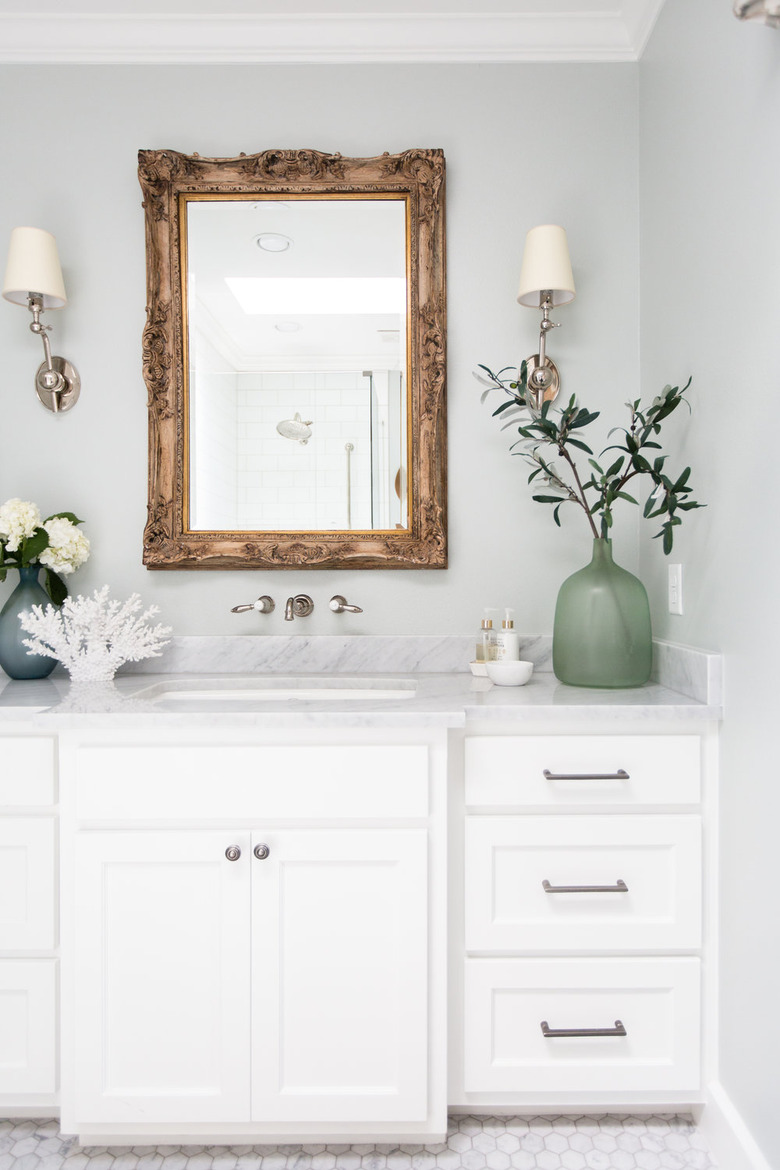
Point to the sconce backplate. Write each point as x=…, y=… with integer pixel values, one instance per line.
x=58, y=401
x=533, y=364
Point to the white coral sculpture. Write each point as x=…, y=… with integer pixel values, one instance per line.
x=93, y=636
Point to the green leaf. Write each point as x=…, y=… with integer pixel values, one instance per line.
x=582, y=446
x=556, y=517
x=34, y=545
x=55, y=587
x=504, y=406
x=548, y=499
x=3, y=574
x=626, y=496
x=615, y=468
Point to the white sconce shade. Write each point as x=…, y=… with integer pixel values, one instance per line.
x=34, y=267
x=546, y=267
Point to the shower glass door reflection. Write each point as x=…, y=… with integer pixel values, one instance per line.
x=297, y=450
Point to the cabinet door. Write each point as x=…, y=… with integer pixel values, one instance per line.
x=162, y=977
x=26, y=884
x=27, y=1026
x=340, y=985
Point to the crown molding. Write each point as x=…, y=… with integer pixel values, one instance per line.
x=328, y=38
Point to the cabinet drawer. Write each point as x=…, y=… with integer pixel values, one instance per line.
x=582, y=770
x=228, y=782
x=27, y=1026
x=26, y=884
x=27, y=777
x=655, y=1000
x=650, y=866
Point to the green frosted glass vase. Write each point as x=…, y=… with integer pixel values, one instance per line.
x=14, y=659
x=602, y=635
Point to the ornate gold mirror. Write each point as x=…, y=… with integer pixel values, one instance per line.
x=294, y=359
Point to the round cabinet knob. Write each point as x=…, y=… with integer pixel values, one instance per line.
x=232, y=853
x=261, y=852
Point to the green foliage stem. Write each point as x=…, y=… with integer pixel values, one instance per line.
x=597, y=494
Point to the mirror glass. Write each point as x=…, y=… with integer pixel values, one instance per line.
x=295, y=362
x=297, y=385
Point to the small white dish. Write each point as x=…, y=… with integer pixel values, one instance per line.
x=479, y=669
x=509, y=673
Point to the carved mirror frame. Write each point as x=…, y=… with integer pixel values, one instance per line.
x=166, y=176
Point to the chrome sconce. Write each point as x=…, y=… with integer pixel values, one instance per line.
x=546, y=281
x=765, y=11
x=33, y=277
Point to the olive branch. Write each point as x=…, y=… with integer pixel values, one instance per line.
x=597, y=494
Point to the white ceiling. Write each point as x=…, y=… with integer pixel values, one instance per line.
x=324, y=30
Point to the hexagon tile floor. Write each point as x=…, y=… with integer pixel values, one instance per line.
x=598, y=1142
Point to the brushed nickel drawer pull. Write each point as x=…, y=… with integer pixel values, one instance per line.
x=619, y=887
x=619, y=775
x=618, y=1030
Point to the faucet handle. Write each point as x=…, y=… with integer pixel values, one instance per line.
x=264, y=604
x=339, y=605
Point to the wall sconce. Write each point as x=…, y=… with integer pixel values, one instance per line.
x=546, y=281
x=33, y=277
x=765, y=11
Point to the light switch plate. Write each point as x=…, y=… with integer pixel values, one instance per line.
x=675, y=589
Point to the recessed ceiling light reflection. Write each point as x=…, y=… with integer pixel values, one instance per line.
x=273, y=242
x=287, y=326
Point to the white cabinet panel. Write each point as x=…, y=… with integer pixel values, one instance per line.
x=509, y=771
x=27, y=884
x=27, y=776
x=27, y=1026
x=260, y=782
x=650, y=866
x=655, y=1000
x=340, y=977
x=162, y=983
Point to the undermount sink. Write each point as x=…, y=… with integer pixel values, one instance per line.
x=227, y=691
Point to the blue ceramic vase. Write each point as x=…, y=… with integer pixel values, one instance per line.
x=14, y=659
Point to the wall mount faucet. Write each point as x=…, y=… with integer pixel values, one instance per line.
x=264, y=604
x=299, y=606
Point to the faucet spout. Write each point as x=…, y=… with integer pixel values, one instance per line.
x=299, y=606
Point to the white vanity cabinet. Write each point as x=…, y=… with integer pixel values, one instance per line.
x=28, y=936
x=583, y=920
x=255, y=934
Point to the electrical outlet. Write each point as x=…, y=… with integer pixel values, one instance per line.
x=675, y=589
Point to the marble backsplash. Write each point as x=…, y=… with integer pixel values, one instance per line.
x=691, y=672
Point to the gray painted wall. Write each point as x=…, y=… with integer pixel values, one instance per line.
x=710, y=293
x=69, y=140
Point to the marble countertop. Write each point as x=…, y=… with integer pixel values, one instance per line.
x=437, y=699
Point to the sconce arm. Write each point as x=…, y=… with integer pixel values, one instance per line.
x=57, y=382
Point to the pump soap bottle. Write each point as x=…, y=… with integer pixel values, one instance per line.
x=486, y=639
x=507, y=640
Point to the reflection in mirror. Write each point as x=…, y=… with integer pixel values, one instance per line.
x=294, y=356
x=297, y=382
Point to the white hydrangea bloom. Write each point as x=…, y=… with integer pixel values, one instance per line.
x=68, y=546
x=18, y=521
